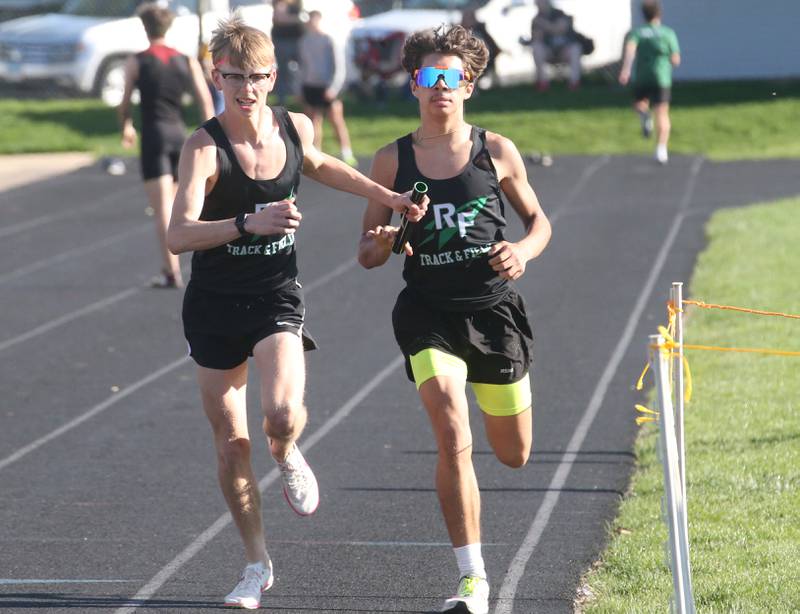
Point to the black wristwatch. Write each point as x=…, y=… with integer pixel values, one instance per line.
x=239, y=221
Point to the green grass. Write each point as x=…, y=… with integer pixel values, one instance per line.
x=724, y=120
x=742, y=434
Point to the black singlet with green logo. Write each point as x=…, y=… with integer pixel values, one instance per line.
x=466, y=216
x=255, y=264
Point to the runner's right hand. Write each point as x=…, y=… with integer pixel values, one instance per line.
x=383, y=236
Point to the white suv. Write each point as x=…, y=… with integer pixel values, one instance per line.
x=85, y=45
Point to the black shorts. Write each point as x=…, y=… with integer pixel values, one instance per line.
x=653, y=93
x=223, y=329
x=314, y=97
x=161, y=150
x=496, y=342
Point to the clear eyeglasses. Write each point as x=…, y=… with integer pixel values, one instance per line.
x=257, y=79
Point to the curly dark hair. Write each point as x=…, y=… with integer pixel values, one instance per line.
x=448, y=40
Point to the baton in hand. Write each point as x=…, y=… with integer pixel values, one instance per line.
x=420, y=188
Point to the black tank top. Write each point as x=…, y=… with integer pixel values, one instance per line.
x=164, y=77
x=255, y=264
x=449, y=269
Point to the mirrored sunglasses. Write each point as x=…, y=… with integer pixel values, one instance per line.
x=428, y=76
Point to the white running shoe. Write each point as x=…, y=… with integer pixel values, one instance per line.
x=255, y=579
x=472, y=597
x=299, y=484
x=662, y=157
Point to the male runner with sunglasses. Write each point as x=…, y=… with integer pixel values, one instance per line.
x=236, y=209
x=459, y=318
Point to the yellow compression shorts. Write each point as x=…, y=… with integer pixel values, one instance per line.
x=494, y=399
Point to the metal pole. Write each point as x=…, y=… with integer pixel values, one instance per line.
x=660, y=365
x=677, y=302
x=675, y=512
x=676, y=296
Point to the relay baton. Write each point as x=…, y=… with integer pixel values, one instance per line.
x=420, y=188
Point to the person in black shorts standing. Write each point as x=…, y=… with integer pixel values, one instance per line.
x=322, y=64
x=162, y=76
x=236, y=209
x=459, y=318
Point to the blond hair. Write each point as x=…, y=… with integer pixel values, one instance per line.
x=240, y=45
x=453, y=40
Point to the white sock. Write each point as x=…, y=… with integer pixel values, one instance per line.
x=470, y=560
x=346, y=153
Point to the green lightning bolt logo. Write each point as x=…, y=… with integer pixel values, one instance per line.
x=469, y=211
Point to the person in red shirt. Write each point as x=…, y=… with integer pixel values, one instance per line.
x=162, y=75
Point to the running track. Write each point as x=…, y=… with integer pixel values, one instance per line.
x=108, y=495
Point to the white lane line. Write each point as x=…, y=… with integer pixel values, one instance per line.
x=101, y=407
x=516, y=569
x=37, y=222
x=97, y=409
x=74, y=315
x=339, y=270
x=77, y=251
x=166, y=572
x=68, y=317
x=587, y=174
x=14, y=581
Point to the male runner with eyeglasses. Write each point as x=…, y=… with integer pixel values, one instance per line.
x=459, y=318
x=236, y=210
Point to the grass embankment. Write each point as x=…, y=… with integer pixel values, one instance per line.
x=742, y=438
x=726, y=120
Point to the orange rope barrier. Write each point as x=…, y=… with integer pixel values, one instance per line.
x=759, y=312
x=713, y=348
x=670, y=345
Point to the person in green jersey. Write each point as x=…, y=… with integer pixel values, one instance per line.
x=654, y=47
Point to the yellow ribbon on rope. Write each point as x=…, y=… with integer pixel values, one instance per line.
x=670, y=345
x=651, y=415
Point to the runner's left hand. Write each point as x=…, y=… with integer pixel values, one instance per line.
x=507, y=259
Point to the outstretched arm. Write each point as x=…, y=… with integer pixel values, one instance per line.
x=510, y=259
x=375, y=245
x=340, y=176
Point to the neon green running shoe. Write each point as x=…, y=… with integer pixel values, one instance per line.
x=472, y=597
